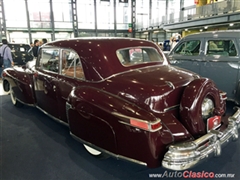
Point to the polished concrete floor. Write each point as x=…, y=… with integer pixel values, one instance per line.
x=34, y=147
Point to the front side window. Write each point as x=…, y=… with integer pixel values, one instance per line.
x=221, y=47
x=133, y=56
x=189, y=48
x=71, y=64
x=49, y=60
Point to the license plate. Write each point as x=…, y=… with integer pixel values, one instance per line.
x=213, y=122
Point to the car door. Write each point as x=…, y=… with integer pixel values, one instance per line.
x=71, y=75
x=46, y=81
x=222, y=64
x=187, y=54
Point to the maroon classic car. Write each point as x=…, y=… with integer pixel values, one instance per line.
x=120, y=97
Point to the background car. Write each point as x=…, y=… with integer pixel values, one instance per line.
x=20, y=53
x=134, y=107
x=214, y=55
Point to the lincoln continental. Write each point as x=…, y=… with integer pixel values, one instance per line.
x=121, y=98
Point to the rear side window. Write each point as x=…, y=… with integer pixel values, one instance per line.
x=71, y=64
x=221, y=47
x=133, y=56
x=189, y=48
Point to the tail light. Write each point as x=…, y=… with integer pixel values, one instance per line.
x=139, y=123
x=146, y=125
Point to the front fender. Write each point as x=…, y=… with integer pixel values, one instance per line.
x=21, y=83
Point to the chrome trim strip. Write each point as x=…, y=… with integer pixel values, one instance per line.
x=68, y=106
x=170, y=84
x=108, y=152
x=187, y=154
x=32, y=105
x=54, y=118
x=171, y=108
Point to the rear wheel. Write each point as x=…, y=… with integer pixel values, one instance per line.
x=95, y=153
x=14, y=99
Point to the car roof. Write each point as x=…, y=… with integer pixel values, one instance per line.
x=221, y=33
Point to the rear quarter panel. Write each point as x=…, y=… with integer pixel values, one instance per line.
x=93, y=118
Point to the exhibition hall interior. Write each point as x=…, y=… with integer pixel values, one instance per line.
x=119, y=89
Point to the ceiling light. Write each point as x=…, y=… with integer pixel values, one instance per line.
x=186, y=29
x=155, y=32
x=200, y=30
x=231, y=24
x=205, y=27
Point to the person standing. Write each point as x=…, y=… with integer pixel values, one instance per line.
x=35, y=48
x=44, y=41
x=161, y=46
x=31, y=44
x=6, y=53
x=173, y=42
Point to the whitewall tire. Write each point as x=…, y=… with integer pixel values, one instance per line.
x=95, y=153
x=14, y=99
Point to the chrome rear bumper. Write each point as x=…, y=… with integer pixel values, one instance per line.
x=185, y=155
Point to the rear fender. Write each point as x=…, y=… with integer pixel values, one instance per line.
x=95, y=114
x=110, y=112
x=109, y=103
x=190, y=107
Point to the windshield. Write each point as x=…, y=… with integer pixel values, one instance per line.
x=133, y=56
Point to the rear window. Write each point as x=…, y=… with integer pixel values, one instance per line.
x=133, y=56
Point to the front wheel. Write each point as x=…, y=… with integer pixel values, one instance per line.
x=95, y=153
x=6, y=86
x=14, y=99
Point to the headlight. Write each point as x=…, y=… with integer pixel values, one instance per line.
x=207, y=108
